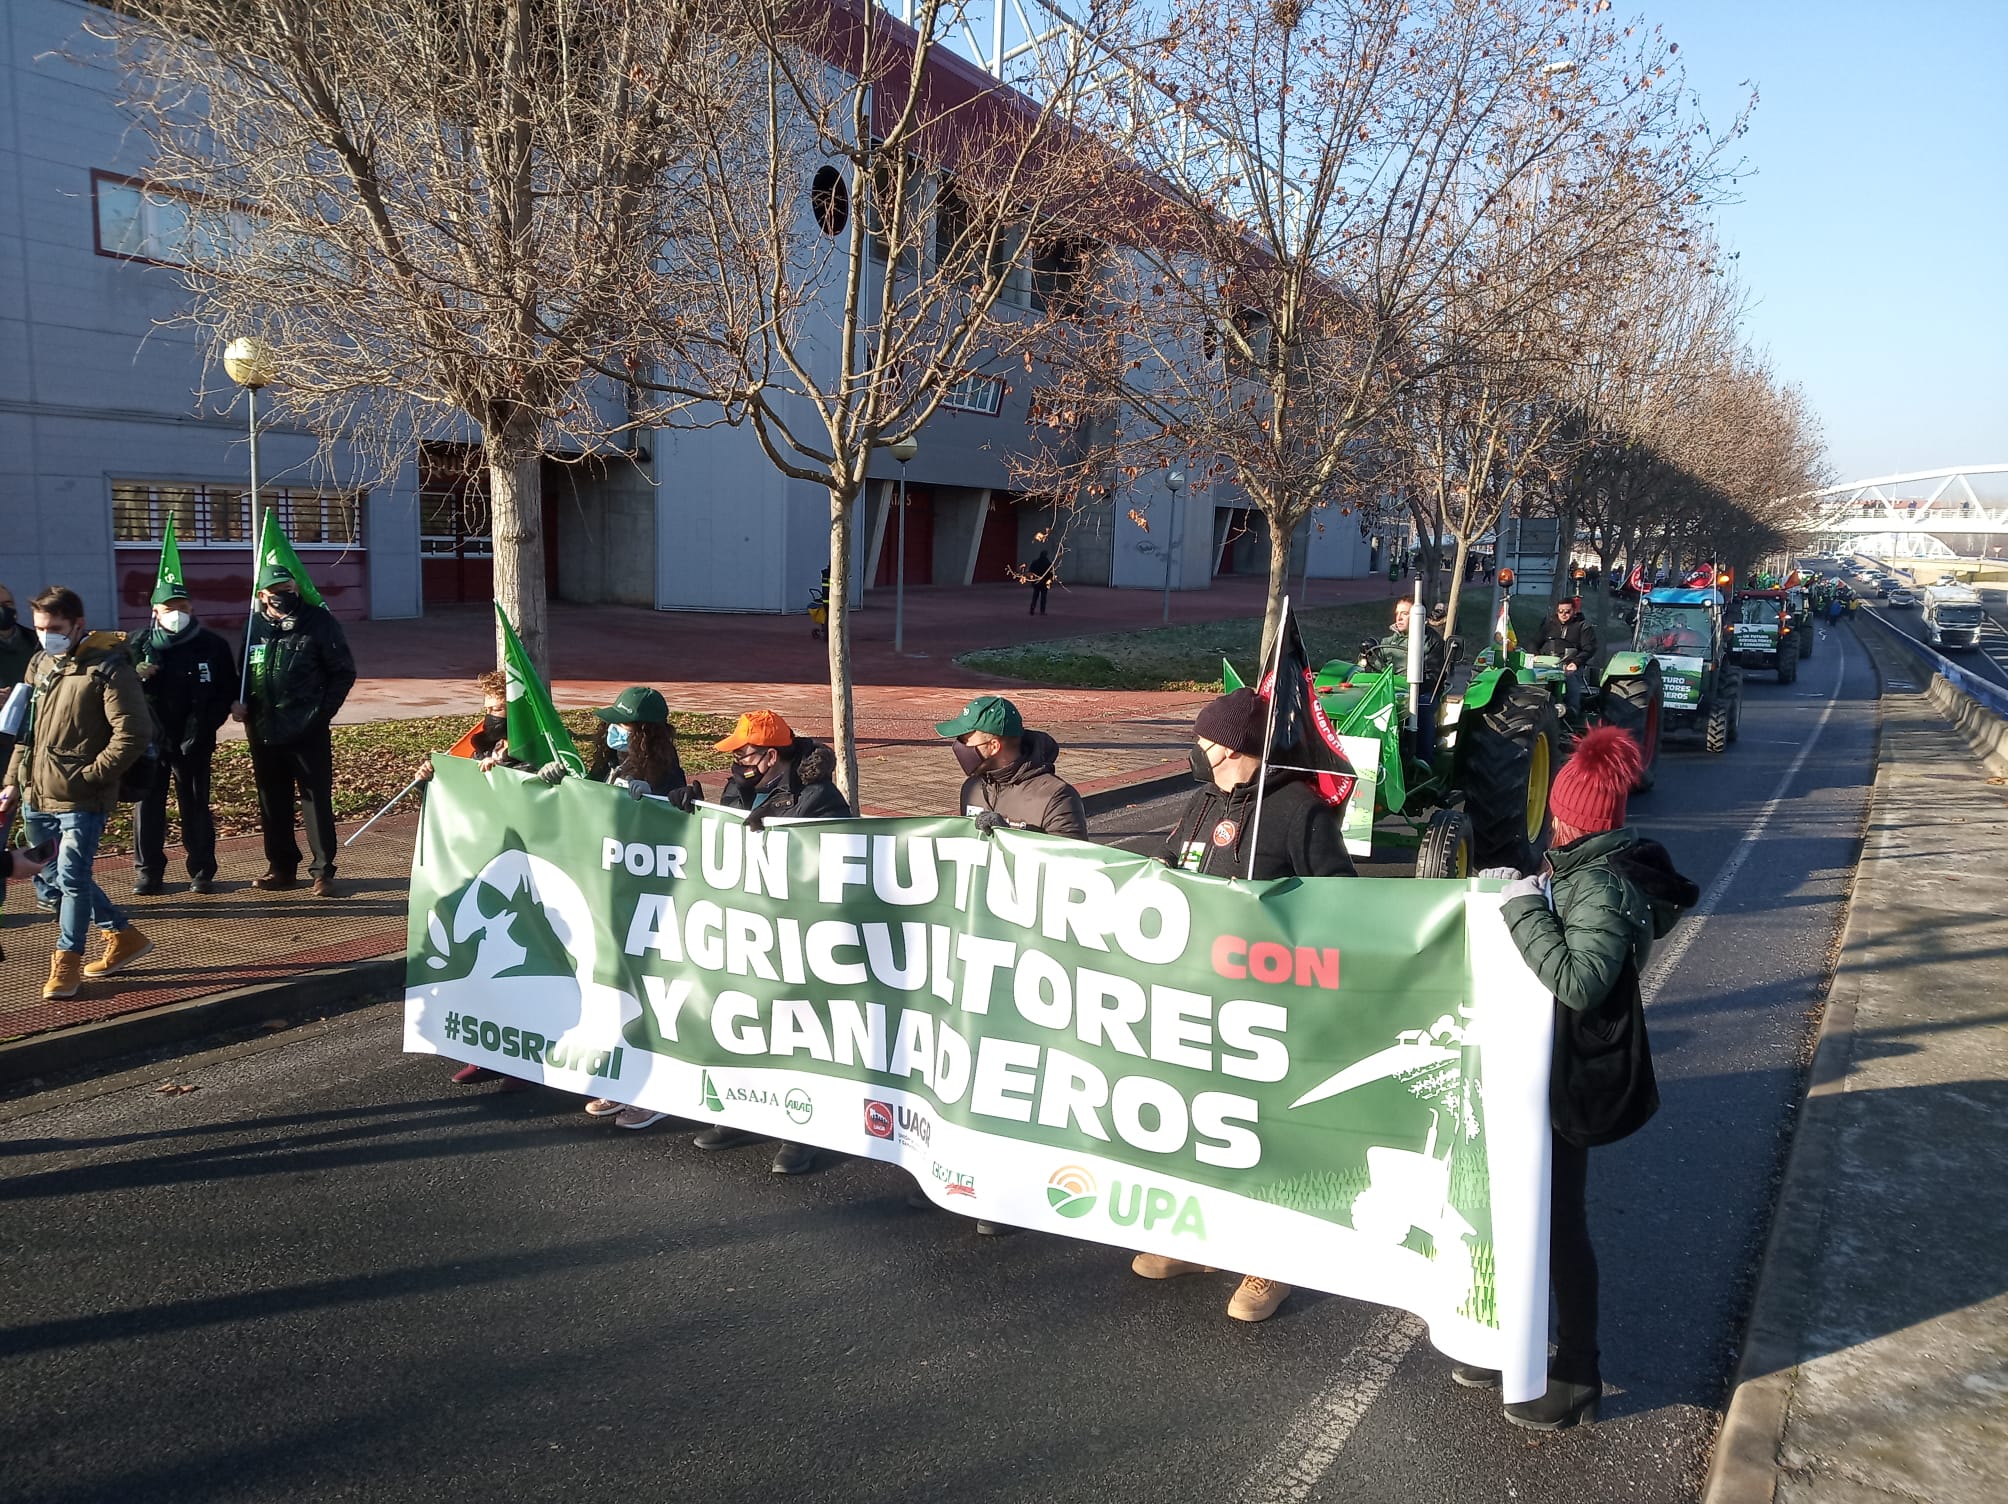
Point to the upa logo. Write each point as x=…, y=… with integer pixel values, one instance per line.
x=878, y=1119
x=1071, y=1191
x=798, y=1106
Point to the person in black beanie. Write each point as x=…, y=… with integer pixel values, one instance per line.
x=1299, y=836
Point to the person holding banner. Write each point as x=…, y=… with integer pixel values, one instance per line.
x=1299, y=836
x=297, y=672
x=1585, y=925
x=776, y=773
x=1008, y=771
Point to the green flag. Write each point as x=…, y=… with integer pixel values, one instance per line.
x=169, y=584
x=278, y=564
x=536, y=735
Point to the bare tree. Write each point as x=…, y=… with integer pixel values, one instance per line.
x=442, y=213
x=876, y=219
x=1329, y=177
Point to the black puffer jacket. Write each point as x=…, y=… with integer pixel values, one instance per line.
x=191, y=685
x=299, y=678
x=1574, y=641
x=1029, y=793
x=1300, y=834
x=803, y=785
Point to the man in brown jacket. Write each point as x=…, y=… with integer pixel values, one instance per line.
x=1008, y=771
x=88, y=723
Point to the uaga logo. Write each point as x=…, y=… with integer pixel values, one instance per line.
x=796, y=1104
x=1071, y=1191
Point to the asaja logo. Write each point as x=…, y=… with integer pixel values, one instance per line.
x=878, y=1119
x=1071, y=1191
x=799, y=1108
x=707, y=1094
x=715, y=1097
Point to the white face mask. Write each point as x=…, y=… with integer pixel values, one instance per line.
x=57, y=643
x=174, y=621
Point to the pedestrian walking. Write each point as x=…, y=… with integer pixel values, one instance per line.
x=776, y=773
x=190, y=680
x=1585, y=924
x=1040, y=576
x=1300, y=836
x=298, y=673
x=1009, y=780
x=88, y=723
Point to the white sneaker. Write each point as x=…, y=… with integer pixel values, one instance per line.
x=638, y=1117
x=603, y=1107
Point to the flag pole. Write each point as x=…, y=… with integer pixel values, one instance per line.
x=1268, y=728
x=396, y=799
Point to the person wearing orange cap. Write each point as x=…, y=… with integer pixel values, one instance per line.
x=775, y=772
x=1585, y=926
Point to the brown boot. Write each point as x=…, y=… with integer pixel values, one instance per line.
x=272, y=880
x=66, y=975
x=1257, y=1298
x=1157, y=1266
x=324, y=886
x=122, y=948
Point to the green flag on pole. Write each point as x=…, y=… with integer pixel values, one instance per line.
x=169, y=584
x=278, y=564
x=536, y=735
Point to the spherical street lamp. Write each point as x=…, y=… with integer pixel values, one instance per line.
x=251, y=363
x=1174, y=482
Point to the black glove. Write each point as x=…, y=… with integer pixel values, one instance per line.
x=756, y=820
x=989, y=820
x=686, y=797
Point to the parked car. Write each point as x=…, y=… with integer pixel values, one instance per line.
x=1900, y=598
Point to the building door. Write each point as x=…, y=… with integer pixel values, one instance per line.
x=456, y=532
x=997, y=550
x=919, y=539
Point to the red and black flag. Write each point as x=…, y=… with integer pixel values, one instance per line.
x=1302, y=738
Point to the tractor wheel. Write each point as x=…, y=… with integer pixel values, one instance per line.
x=1735, y=704
x=1505, y=771
x=1446, y=846
x=1788, y=664
x=1806, y=635
x=1636, y=704
x=1719, y=711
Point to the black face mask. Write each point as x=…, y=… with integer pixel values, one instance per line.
x=748, y=777
x=7, y=618
x=285, y=603
x=494, y=729
x=1202, y=770
x=968, y=759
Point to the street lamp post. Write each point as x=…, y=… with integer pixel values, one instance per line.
x=249, y=362
x=902, y=451
x=1174, y=482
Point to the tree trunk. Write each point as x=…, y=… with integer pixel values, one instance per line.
x=1279, y=587
x=843, y=710
x=1457, y=581
x=516, y=524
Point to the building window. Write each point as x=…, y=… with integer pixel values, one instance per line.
x=1060, y=271
x=951, y=229
x=140, y=221
x=453, y=514
x=976, y=394
x=830, y=201
x=220, y=516
x=1007, y=265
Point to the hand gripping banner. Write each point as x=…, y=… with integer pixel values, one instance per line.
x=1340, y=1083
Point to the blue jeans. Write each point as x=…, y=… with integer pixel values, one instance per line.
x=68, y=877
x=1572, y=691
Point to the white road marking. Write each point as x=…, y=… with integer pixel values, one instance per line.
x=1667, y=957
x=1326, y=1423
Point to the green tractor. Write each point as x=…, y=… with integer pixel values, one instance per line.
x=1769, y=629
x=1684, y=632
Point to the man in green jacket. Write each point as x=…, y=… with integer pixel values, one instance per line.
x=87, y=724
x=1585, y=926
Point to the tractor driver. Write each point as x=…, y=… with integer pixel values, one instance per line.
x=1391, y=652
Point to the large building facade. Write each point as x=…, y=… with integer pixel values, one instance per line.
x=113, y=418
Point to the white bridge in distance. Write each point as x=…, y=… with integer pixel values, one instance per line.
x=1908, y=516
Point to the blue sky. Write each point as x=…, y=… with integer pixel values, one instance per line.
x=1873, y=234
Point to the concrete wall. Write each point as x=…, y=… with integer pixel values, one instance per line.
x=606, y=515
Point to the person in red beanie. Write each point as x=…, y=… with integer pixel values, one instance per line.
x=1604, y=895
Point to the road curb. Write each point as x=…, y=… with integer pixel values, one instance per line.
x=290, y=1000
x=1746, y=1465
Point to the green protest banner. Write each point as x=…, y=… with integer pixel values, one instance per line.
x=1338, y=1083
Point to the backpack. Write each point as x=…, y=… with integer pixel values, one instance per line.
x=1601, y=1086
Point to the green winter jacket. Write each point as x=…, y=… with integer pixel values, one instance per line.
x=1578, y=948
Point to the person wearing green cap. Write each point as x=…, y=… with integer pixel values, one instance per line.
x=298, y=672
x=1008, y=771
x=190, y=679
x=637, y=751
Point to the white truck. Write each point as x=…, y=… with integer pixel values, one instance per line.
x=1952, y=617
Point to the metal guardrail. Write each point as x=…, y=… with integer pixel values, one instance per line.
x=1975, y=688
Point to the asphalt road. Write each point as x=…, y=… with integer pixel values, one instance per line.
x=325, y=1273
x=1990, y=662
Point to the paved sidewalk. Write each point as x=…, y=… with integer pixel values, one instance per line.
x=1876, y=1364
